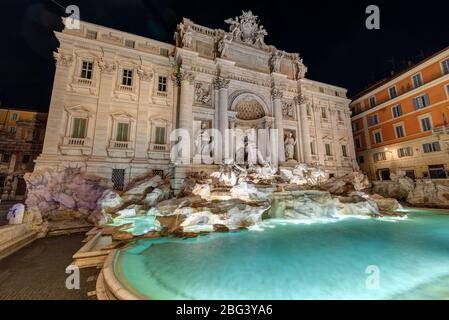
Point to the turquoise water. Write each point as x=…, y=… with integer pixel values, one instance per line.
x=283, y=260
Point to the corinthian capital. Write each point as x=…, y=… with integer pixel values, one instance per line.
x=184, y=75
x=300, y=99
x=276, y=94
x=221, y=83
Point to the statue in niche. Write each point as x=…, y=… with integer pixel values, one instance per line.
x=202, y=93
x=252, y=149
x=289, y=146
x=203, y=142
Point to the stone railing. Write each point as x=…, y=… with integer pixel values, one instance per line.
x=84, y=82
x=120, y=144
x=161, y=94
x=444, y=129
x=159, y=147
x=77, y=142
x=125, y=88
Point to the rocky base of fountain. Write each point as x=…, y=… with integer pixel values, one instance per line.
x=236, y=198
x=67, y=194
x=422, y=193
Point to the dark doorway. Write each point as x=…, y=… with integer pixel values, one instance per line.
x=437, y=172
x=21, y=187
x=383, y=174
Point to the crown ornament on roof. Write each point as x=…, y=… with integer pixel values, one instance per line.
x=246, y=29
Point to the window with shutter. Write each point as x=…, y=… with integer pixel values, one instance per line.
x=160, y=135
x=421, y=101
x=445, y=66
x=79, y=128
x=122, y=132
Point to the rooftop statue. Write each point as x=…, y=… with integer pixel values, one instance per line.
x=246, y=29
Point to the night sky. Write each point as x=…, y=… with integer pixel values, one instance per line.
x=330, y=36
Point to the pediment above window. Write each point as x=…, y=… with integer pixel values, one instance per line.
x=78, y=111
x=122, y=116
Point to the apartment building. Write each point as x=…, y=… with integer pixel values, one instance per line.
x=21, y=139
x=402, y=122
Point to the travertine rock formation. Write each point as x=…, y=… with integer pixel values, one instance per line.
x=427, y=193
x=55, y=193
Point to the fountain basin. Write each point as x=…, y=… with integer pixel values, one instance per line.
x=290, y=259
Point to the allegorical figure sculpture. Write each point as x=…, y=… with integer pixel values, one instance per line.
x=289, y=146
x=300, y=68
x=202, y=93
x=246, y=29
x=275, y=61
x=203, y=143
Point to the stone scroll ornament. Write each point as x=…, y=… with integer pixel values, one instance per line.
x=246, y=29
x=63, y=59
x=108, y=67
x=144, y=75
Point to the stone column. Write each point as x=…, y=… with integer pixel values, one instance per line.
x=231, y=141
x=305, y=128
x=54, y=129
x=142, y=138
x=338, y=153
x=222, y=85
x=366, y=132
x=319, y=134
x=187, y=79
x=102, y=116
x=276, y=95
x=351, y=146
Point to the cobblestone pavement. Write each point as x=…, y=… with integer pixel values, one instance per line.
x=37, y=272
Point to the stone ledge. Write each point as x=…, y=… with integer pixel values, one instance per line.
x=15, y=237
x=91, y=255
x=108, y=286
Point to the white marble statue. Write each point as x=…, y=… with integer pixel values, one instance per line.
x=289, y=146
x=300, y=69
x=202, y=141
x=251, y=149
x=246, y=29
x=275, y=61
x=187, y=37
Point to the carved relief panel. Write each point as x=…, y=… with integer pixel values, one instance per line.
x=203, y=94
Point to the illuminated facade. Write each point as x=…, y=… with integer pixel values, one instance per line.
x=118, y=96
x=402, y=122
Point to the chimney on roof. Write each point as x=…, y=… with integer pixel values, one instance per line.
x=409, y=63
x=392, y=73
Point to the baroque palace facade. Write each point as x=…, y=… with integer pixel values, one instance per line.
x=118, y=96
x=402, y=123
